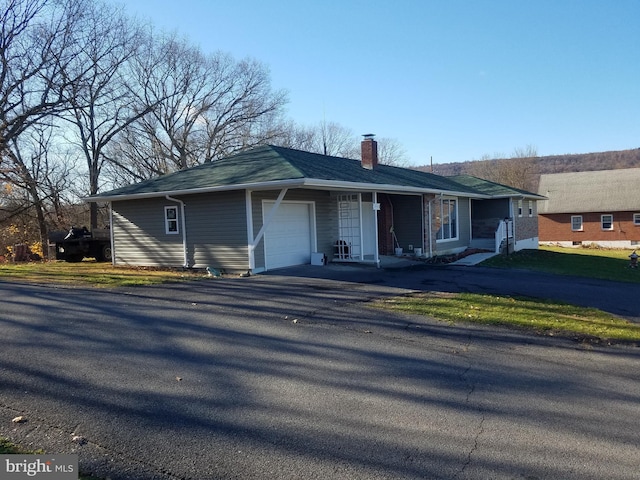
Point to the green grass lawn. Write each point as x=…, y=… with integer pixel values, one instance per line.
x=536, y=315
x=7, y=447
x=93, y=273
x=606, y=264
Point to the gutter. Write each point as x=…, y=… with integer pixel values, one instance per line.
x=297, y=182
x=388, y=188
x=293, y=183
x=184, y=228
x=532, y=196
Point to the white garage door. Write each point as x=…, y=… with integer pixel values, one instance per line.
x=288, y=238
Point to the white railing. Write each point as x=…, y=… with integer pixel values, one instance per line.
x=503, y=232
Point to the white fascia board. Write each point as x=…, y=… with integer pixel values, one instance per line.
x=297, y=182
x=292, y=183
x=386, y=188
x=520, y=196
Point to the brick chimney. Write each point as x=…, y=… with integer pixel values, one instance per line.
x=369, y=152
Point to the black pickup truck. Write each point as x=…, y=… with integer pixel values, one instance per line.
x=80, y=243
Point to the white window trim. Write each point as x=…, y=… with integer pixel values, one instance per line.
x=581, y=223
x=602, y=222
x=457, y=237
x=168, y=221
x=636, y=219
x=531, y=208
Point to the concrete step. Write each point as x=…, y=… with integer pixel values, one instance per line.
x=483, y=243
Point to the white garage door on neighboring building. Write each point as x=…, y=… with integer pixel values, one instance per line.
x=288, y=239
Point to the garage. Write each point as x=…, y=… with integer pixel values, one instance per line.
x=289, y=238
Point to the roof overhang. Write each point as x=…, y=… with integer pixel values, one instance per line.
x=291, y=183
x=521, y=196
x=385, y=188
x=298, y=182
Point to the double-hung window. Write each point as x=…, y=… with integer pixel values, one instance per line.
x=636, y=219
x=448, y=217
x=171, y=220
x=607, y=222
x=576, y=223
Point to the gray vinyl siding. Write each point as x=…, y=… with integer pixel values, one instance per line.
x=407, y=220
x=216, y=232
x=139, y=236
x=326, y=221
x=464, y=221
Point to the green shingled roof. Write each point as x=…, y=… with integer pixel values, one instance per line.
x=269, y=165
x=491, y=188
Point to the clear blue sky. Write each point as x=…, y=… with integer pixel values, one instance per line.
x=450, y=79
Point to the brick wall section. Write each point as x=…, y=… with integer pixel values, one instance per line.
x=526, y=227
x=557, y=228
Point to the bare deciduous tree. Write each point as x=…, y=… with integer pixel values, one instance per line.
x=105, y=102
x=327, y=138
x=391, y=152
x=206, y=107
x=335, y=140
x=36, y=44
x=518, y=170
x=242, y=109
x=330, y=138
x=42, y=178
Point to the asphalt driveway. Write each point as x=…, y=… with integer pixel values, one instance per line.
x=622, y=299
x=292, y=377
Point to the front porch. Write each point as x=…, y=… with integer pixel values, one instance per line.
x=492, y=226
x=492, y=235
x=376, y=224
x=405, y=228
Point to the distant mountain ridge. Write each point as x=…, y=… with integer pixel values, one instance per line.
x=575, y=162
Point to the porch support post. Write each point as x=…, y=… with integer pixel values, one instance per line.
x=376, y=209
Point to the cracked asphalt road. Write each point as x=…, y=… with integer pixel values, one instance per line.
x=291, y=377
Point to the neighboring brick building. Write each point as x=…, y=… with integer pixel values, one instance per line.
x=596, y=207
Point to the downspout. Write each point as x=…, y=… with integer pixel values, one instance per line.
x=184, y=228
x=113, y=250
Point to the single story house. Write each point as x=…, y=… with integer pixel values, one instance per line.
x=272, y=207
x=595, y=207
